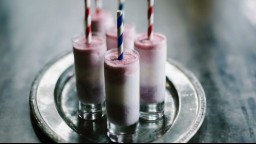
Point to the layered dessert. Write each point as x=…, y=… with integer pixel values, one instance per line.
x=89, y=69
x=153, y=55
x=122, y=87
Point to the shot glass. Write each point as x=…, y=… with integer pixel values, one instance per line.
x=153, y=55
x=89, y=71
x=122, y=95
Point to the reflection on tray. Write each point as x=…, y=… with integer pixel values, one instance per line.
x=96, y=131
x=54, y=104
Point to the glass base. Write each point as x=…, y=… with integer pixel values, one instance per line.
x=91, y=111
x=122, y=134
x=152, y=112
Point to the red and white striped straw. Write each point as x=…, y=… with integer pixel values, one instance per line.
x=88, y=21
x=98, y=6
x=150, y=19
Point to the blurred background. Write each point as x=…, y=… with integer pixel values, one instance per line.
x=215, y=39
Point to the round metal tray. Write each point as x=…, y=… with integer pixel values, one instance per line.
x=53, y=105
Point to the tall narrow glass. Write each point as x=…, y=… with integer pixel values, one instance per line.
x=153, y=55
x=89, y=70
x=122, y=95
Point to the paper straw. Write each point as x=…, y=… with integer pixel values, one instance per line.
x=150, y=19
x=88, y=21
x=120, y=28
x=98, y=6
x=121, y=5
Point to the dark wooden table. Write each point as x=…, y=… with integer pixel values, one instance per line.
x=215, y=39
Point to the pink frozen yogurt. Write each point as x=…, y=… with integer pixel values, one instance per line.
x=153, y=55
x=122, y=87
x=89, y=61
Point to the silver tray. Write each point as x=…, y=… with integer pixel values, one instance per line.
x=53, y=105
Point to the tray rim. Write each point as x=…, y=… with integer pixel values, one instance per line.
x=32, y=100
x=49, y=132
x=202, y=98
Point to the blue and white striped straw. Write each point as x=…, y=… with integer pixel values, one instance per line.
x=121, y=5
x=120, y=29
